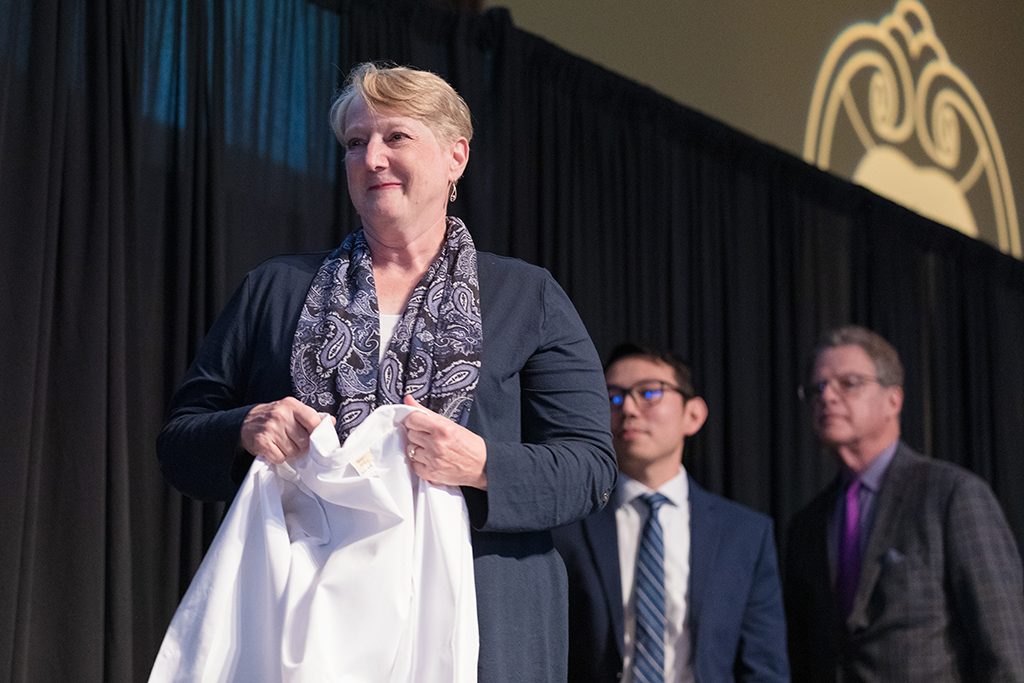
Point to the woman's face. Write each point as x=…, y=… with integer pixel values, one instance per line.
x=398, y=171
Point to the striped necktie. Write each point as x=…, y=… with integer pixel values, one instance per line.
x=649, y=639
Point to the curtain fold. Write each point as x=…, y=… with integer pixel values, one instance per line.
x=151, y=153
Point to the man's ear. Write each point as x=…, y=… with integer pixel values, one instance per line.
x=695, y=412
x=895, y=400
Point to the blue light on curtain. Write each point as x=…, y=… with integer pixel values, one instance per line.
x=276, y=62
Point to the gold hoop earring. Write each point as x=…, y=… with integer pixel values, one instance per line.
x=454, y=194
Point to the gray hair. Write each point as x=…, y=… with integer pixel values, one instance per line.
x=888, y=367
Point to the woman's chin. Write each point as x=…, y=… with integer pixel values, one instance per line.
x=381, y=218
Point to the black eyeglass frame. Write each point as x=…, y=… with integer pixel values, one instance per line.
x=638, y=396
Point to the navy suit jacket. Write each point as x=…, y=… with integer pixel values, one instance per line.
x=736, y=619
x=941, y=593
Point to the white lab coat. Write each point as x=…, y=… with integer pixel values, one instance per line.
x=339, y=566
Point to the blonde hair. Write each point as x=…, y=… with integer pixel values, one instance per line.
x=410, y=92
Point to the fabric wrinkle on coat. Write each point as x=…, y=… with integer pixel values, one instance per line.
x=338, y=566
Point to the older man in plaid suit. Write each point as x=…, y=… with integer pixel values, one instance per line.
x=904, y=568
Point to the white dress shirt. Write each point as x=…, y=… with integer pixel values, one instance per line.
x=630, y=517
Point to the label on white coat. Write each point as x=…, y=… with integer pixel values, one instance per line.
x=363, y=463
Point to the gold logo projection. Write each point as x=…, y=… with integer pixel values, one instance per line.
x=893, y=113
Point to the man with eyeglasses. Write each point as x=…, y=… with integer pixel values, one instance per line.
x=904, y=568
x=668, y=582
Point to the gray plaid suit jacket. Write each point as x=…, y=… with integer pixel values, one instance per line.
x=941, y=593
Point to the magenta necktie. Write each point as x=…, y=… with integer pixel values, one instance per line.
x=848, y=558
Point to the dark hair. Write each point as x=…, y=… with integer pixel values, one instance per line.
x=888, y=367
x=684, y=376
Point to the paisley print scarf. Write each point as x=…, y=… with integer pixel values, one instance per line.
x=434, y=353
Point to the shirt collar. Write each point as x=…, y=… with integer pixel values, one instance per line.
x=871, y=477
x=676, y=489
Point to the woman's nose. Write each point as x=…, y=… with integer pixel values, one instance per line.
x=376, y=154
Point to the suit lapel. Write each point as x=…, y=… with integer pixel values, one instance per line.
x=603, y=537
x=705, y=529
x=817, y=556
x=887, y=512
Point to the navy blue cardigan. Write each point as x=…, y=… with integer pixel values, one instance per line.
x=540, y=406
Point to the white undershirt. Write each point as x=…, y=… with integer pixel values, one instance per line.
x=630, y=516
x=388, y=323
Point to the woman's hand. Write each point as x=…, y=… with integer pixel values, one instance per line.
x=443, y=452
x=280, y=430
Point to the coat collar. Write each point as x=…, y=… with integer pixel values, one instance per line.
x=877, y=551
x=601, y=532
x=705, y=533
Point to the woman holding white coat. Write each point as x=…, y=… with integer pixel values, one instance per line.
x=406, y=310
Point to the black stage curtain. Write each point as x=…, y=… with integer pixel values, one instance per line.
x=152, y=152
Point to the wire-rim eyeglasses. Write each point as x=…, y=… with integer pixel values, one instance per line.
x=844, y=385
